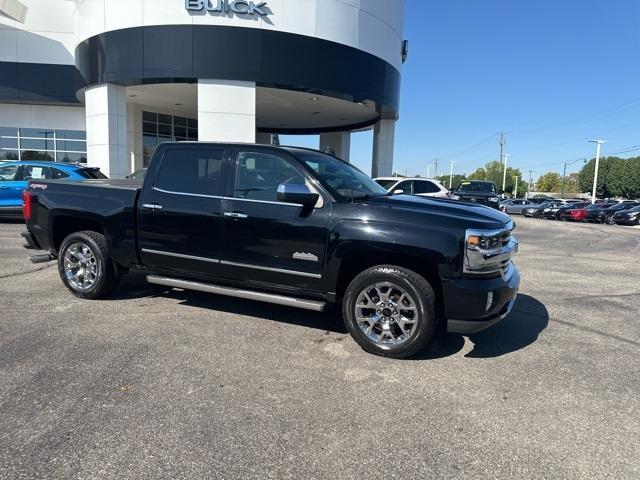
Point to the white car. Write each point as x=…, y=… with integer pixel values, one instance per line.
x=426, y=187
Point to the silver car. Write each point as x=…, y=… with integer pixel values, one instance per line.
x=516, y=206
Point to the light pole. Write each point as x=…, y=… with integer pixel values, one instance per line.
x=515, y=195
x=595, y=175
x=504, y=172
x=429, y=170
x=451, y=175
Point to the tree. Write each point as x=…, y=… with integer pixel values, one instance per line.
x=549, y=182
x=457, y=179
x=617, y=177
x=493, y=172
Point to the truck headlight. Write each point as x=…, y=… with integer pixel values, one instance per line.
x=494, y=199
x=489, y=251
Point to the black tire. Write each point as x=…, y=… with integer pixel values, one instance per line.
x=423, y=296
x=106, y=279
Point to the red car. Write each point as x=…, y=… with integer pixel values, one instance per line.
x=577, y=214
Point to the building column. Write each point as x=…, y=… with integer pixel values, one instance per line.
x=106, y=111
x=226, y=111
x=339, y=143
x=134, y=136
x=383, y=143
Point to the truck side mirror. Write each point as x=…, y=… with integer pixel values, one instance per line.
x=398, y=192
x=296, y=193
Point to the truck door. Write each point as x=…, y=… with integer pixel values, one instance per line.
x=180, y=211
x=267, y=241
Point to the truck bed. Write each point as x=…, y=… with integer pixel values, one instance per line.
x=109, y=204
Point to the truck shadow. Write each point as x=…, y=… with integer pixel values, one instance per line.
x=520, y=329
x=135, y=286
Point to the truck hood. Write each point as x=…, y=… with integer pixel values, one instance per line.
x=463, y=214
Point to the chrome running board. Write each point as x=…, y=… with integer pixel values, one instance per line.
x=238, y=293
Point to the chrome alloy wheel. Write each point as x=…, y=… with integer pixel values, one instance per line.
x=81, y=266
x=386, y=314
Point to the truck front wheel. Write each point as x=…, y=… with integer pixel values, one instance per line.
x=390, y=311
x=85, y=265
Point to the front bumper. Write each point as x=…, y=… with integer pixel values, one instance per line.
x=473, y=305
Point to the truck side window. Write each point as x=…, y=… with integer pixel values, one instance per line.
x=259, y=174
x=195, y=171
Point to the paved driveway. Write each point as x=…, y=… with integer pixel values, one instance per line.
x=173, y=384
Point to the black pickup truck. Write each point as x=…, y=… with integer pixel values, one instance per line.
x=477, y=191
x=290, y=226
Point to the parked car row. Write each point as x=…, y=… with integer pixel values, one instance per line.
x=621, y=212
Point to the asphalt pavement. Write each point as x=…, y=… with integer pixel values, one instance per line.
x=156, y=383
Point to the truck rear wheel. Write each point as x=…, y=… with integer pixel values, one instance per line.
x=85, y=265
x=390, y=311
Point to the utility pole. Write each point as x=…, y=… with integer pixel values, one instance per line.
x=595, y=175
x=451, y=174
x=504, y=171
x=435, y=162
x=515, y=195
x=530, y=183
x=429, y=170
x=502, y=141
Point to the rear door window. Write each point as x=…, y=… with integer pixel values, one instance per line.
x=424, y=186
x=36, y=173
x=195, y=171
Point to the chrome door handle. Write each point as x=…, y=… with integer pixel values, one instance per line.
x=235, y=215
x=152, y=206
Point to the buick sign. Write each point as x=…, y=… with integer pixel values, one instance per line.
x=243, y=7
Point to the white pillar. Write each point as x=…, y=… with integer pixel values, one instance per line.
x=383, y=142
x=338, y=142
x=134, y=136
x=106, y=111
x=226, y=111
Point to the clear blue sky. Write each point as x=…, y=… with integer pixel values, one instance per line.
x=551, y=74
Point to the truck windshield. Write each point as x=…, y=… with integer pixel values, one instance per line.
x=477, y=187
x=339, y=177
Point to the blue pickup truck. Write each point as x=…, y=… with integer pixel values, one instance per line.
x=14, y=177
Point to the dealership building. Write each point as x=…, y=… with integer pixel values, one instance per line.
x=106, y=81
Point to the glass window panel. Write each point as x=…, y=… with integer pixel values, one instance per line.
x=164, y=139
x=72, y=157
x=192, y=134
x=149, y=117
x=71, y=135
x=192, y=171
x=148, y=127
x=37, y=155
x=36, y=133
x=166, y=130
x=149, y=140
x=8, y=155
x=166, y=119
x=8, y=142
x=146, y=160
x=30, y=144
x=193, y=123
x=180, y=131
x=180, y=121
x=180, y=139
x=8, y=132
x=71, y=145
